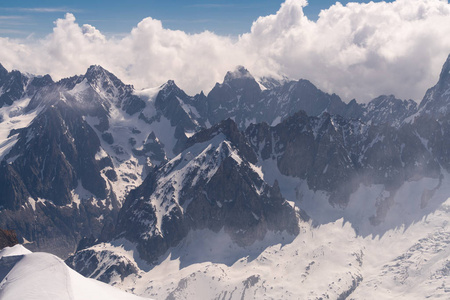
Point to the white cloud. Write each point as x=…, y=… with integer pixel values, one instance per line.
x=357, y=50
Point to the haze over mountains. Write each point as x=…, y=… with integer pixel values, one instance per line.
x=137, y=181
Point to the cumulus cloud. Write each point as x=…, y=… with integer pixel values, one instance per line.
x=360, y=50
x=357, y=51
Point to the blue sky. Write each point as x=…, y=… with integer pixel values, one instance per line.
x=232, y=17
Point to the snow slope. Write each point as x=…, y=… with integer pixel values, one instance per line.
x=330, y=261
x=42, y=276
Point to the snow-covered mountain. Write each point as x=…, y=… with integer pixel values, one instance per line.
x=42, y=276
x=211, y=184
x=155, y=184
x=331, y=261
x=72, y=150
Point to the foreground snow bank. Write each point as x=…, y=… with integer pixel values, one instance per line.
x=42, y=276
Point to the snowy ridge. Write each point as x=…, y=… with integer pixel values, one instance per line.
x=330, y=261
x=194, y=166
x=41, y=276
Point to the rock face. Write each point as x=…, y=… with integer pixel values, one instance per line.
x=102, y=265
x=436, y=100
x=212, y=184
x=388, y=110
x=70, y=147
x=12, y=86
x=71, y=151
x=8, y=238
x=337, y=155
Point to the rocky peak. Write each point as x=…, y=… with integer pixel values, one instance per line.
x=176, y=106
x=12, y=86
x=95, y=71
x=230, y=130
x=170, y=88
x=105, y=83
x=239, y=73
x=3, y=71
x=437, y=99
x=70, y=82
x=170, y=83
x=388, y=109
x=445, y=72
x=443, y=84
x=304, y=95
x=241, y=79
x=235, y=98
x=107, y=89
x=354, y=109
x=40, y=81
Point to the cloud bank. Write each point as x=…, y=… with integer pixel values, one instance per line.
x=357, y=51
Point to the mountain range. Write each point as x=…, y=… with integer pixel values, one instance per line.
x=117, y=180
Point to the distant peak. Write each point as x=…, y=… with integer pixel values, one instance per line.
x=3, y=71
x=170, y=85
x=42, y=80
x=384, y=98
x=169, y=88
x=445, y=73
x=96, y=74
x=94, y=70
x=239, y=73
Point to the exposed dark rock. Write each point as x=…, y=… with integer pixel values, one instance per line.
x=38, y=83
x=230, y=130
x=92, y=264
x=111, y=174
x=8, y=238
x=107, y=137
x=436, y=100
x=86, y=242
x=220, y=190
x=152, y=148
x=388, y=110
x=12, y=86
x=336, y=155
x=235, y=97
x=13, y=190
x=55, y=152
